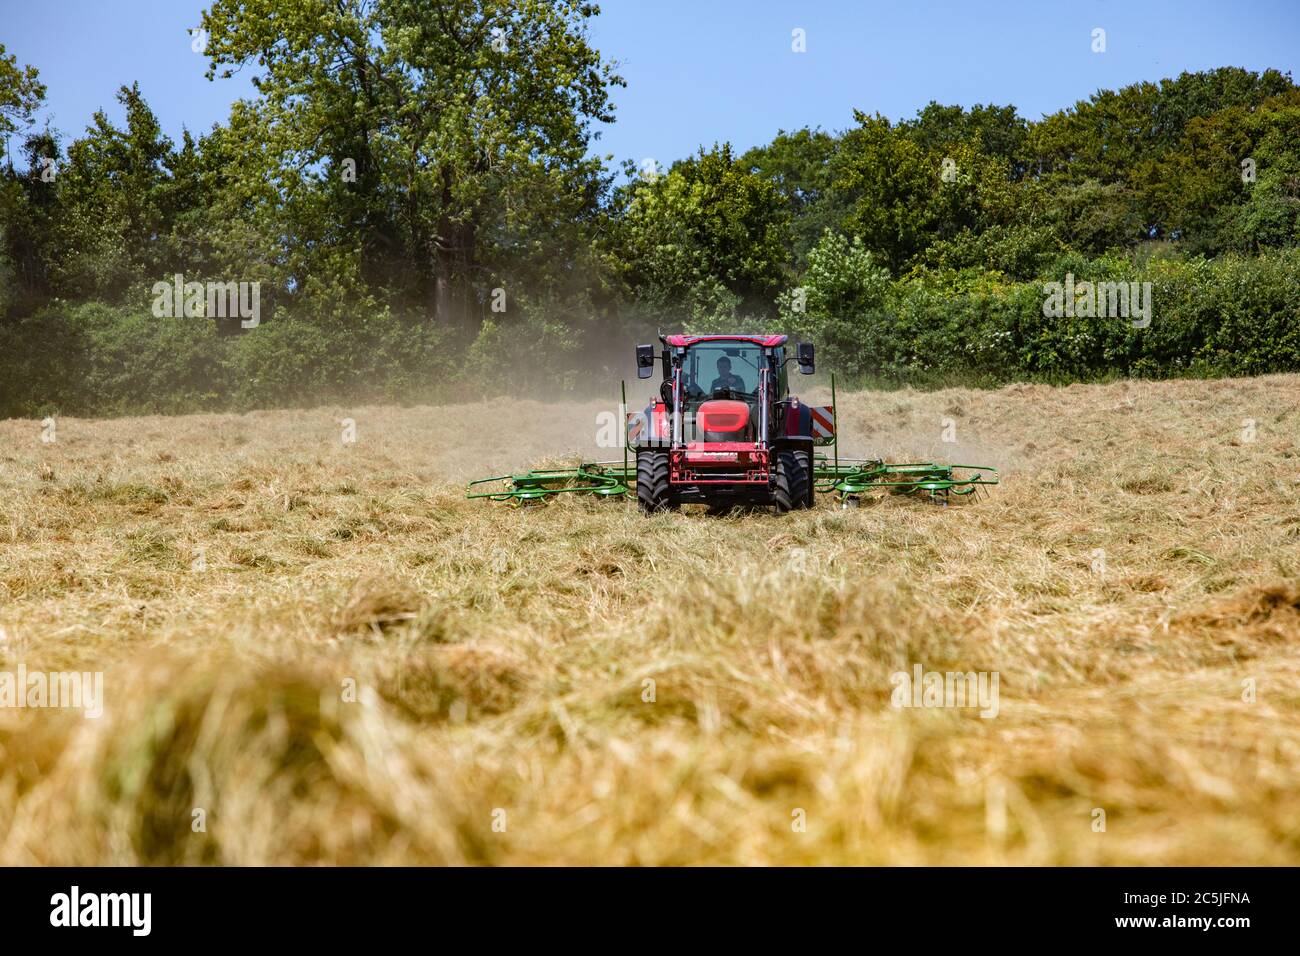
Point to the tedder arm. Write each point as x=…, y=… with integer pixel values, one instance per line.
x=606, y=479
x=848, y=478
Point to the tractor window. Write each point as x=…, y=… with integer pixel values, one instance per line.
x=731, y=365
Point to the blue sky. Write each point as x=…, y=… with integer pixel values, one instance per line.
x=723, y=69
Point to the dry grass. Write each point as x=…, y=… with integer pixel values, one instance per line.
x=501, y=656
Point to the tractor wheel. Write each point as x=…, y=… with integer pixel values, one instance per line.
x=653, y=492
x=807, y=459
x=793, y=488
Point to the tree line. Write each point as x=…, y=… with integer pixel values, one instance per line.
x=418, y=192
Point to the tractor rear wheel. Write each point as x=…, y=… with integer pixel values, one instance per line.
x=793, y=488
x=653, y=493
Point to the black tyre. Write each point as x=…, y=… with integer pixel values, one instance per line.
x=653, y=493
x=807, y=459
x=793, y=487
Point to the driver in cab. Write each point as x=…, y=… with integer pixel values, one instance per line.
x=726, y=379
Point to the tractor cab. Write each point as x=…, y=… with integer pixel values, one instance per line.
x=721, y=381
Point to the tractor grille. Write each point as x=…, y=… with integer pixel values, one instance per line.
x=717, y=463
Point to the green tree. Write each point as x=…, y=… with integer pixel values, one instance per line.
x=417, y=142
x=21, y=260
x=1232, y=181
x=999, y=130
x=840, y=304
x=29, y=217
x=1108, y=136
x=905, y=197
x=890, y=180
x=1092, y=216
x=1116, y=136
x=799, y=165
x=112, y=225
x=21, y=95
x=708, y=237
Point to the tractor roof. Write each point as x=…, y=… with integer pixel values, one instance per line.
x=683, y=341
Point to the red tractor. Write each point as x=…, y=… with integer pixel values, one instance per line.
x=724, y=429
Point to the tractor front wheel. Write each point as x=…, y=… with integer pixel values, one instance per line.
x=793, y=488
x=653, y=493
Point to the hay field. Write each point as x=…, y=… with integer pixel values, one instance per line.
x=318, y=652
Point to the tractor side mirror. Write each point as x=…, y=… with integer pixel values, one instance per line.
x=805, y=353
x=645, y=361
